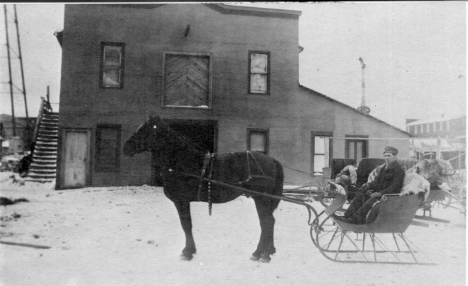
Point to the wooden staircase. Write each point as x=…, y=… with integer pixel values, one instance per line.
x=43, y=168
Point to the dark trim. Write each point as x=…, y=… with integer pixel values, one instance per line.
x=312, y=148
x=97, y=166
x=355, y=110
x=122, y=65
x=266, y=132
x=268, y=71
x=366, y=146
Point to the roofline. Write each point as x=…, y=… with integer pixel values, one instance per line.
x=355, y=110
x=429, y=121
x=226, y=9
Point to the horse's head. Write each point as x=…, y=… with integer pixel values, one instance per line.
x=143, y=138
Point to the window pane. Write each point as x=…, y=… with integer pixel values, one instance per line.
x=319, y=145
x=258, y=83
x=319, y=163
x=257, y=142
x=112, y=55
x=111, y=77
x=259, y=63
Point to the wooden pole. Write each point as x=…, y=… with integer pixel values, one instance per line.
x=9, y=72
x=22, y=70
x=438, y=154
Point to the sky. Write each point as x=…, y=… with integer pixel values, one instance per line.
x=414, y=52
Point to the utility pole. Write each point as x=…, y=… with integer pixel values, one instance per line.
x=21, y=63
x=9, y=72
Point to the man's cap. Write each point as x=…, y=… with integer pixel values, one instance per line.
x=390, y=149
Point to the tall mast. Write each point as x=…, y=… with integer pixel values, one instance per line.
x=21, y=63
x=9, y=72
x=363, y=108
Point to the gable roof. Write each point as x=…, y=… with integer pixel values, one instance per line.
x=353, y=109
x=228, y=9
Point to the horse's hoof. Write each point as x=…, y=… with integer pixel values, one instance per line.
x=254, y=258
x=184, y=257
x=265, y=258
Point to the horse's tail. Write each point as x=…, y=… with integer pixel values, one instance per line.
x=279, y=180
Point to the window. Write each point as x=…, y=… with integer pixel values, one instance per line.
x=187, y=80
x=108, y=148
x=112, y=65
x=447, y=125
x=434, y=127
x=259, y=72
x=421, y=128
x=321, y=151
x=356, y=148
x=441, y=126
x=2, y=134
x=257, y=140
x=415, y=129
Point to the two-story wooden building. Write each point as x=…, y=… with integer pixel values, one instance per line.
x=225, y=76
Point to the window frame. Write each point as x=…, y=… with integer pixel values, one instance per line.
x=249, y=72
x=121, y=67
x=366, y=146
x=98, y=163
x=312, y=149
x=266, y=132
x=210, y=80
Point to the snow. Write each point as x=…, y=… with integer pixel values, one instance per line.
x=132, y=236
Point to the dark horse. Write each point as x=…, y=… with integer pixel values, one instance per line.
x=182, y=164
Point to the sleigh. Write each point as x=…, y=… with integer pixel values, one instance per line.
x=382, y=238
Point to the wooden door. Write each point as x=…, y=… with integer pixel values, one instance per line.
x=187, y=80
x=75, y=158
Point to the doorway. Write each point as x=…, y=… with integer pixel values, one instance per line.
x=75, y=158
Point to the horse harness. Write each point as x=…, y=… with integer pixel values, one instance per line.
x=251, y=180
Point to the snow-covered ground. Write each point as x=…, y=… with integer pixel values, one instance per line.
x=132, y=236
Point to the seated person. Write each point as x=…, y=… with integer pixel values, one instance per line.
x=388, y=181
x=350, y=171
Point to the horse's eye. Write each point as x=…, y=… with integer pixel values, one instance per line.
x=154, y=126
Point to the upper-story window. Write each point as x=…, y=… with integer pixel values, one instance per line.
x=112, y=65
x=187, y=80
x=259, y=72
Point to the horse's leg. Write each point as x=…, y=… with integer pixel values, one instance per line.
x=183, y=208
x=265, y=245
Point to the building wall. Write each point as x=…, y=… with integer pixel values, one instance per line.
x=147, y=33
x=290, y=113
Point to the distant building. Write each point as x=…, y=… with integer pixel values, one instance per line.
x=444, y=126
x=15, y=141
x=444, y=134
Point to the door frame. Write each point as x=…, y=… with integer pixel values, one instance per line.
x=60, y=184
